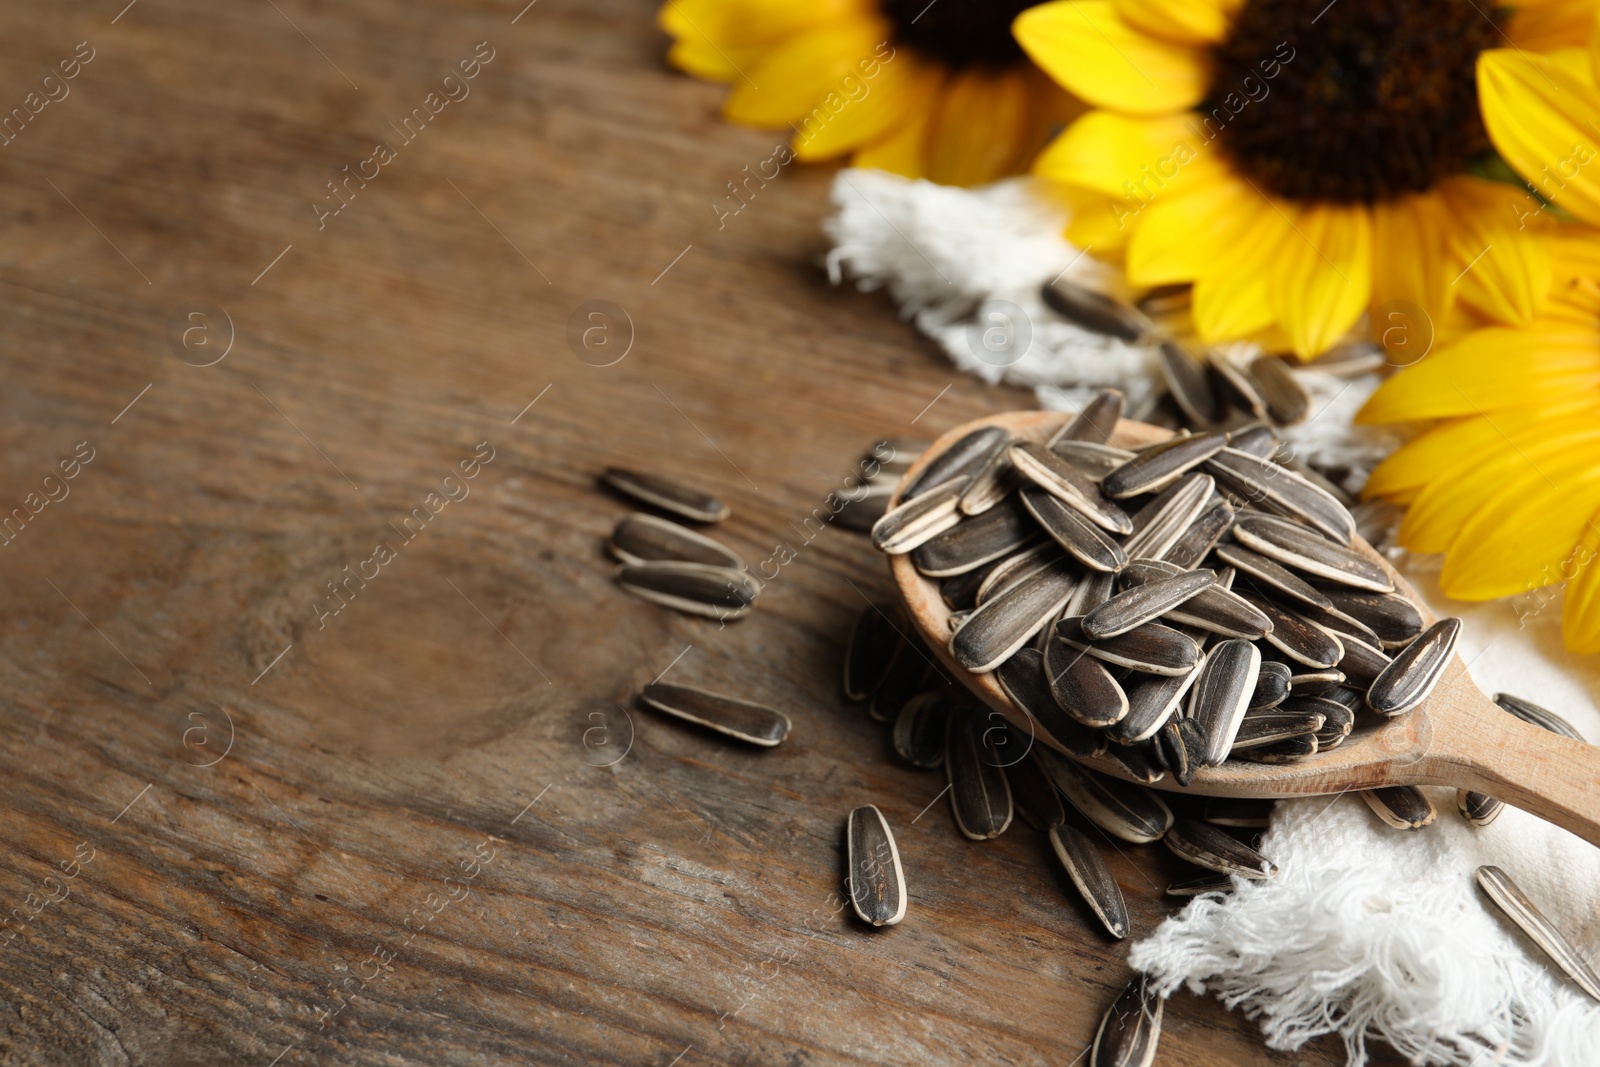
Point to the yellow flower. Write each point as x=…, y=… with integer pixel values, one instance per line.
x=929, y=90
x=1507, y=486
x=1303, y=163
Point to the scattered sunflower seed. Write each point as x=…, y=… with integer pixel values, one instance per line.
x=1208, y=847
x=1093, y=879
x=1139, y=761
x=1152, y=701
x=960, y=592
x=1262, y=480
x=1197, y=885
x=747, y=721
x=877, y=882
x=1144, y=602
x=920, y=729
x=1095, y=311
x=980, y=796
x=1269, y=576
x=1530, y=712
x=1315, y=683
x=1094, y=460
x=1083, y=686
x=641, y=538
x=1292, y=750
x=1411, y=676
x=1287, y=400
x=1166, y=519
x=907, y=676
x=863, y=512
x=1392, y=618
x=1218, y=700
x=1306, y=550
x=1236, y=387
x=1012, y=569
x=1214, y=608
x=1240, y=813
x=1361, y=663
x=998, y=532
x=993, y=483
x=1263, y=728
x=1189, y=385
x=666, y=494
x=1056, y=476
x=1519, y=909
x=873, y=644
x=1477, y=808
x=918, y=520
x=1122, y=809
x=1256, y=439
x=692, y=588
x=1208, y=528
x=1272, y=686
x=1130, y=1030
x=1296, y=638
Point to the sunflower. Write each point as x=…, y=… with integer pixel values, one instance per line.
x=1303, y=162
x=928, y=90
x=1507, y=483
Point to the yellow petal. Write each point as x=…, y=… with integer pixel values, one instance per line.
x=1422, y=459
x=1231, y=299
x=871, y=108
x=903, y=150
x=803, y=72
x=1088, y=48
x=1128, y=157
x=1095, y=222
x=1542, y=27
x=1176, y=237
x=1580, y=619
x=1445, y=504
x=1538, y=115
x=981, y=130
x=1505, y=257
x=1193, y=22
x=1322, y=279
x=1409, y=262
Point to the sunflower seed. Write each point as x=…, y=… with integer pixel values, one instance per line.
x=1293, y=545
x=968, y=545
x=1144, y=603
x=1520, y=910
x=1315, y=683
x=1478, y=809
x=1262, y=728
x=1095, y=423
x=1208, y=847
x=1361, y=663
x=1130, y=1030
x=1260, y=479
x=1095, y=461
x=960, y=592
x=1200, y=884
x=692, y=588
x=872, y=648
x=1171, y=748
x=1256, y=439
x=1191, y=546
x=755, y=723
x=1151, y=702
x=666, y=494
x=877, y=883
x=1173, y=517
x=641, y=538
x=1218, y=700
x=1287, y=400
x=1023, y=679
x=930, y=514
x=1353, y=360
x=1082, y=685
x=1269, y=576
x=920, y=729
x=980, y=796
x=960, y=461
x=1073, y=532
x=1243, y=813
x=1339, y=624
x=1272, y=686
x=1093, y=879
x=992, y=484
x=1152, y=648
x=1404, y=807
x=1393, y=619
x=1122, y=809
x=1294, y=636
x=864, y=511
x=1139, y=761
x=902, y=452
x=1410, y=677
x=1354, y=699
x=1003, y=624
x=1095, y=311
x=1061, y=479
x=1094, y=589
x=1292, y=750
x=1214, y=608
x=1530, y=712
x=1235, y=386
x=907, y=676
x=1190, y=386
x=1157, y=468
x=1035, y=795
x=1336, y=724
x=1012, y=569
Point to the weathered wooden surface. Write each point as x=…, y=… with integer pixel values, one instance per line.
x=259, y=805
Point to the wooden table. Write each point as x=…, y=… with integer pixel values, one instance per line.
x=260, y=811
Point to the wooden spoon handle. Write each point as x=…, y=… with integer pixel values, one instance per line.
x=1477, y=746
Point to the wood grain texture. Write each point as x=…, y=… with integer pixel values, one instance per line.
x=384, y=835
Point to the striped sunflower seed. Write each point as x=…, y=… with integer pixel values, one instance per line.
x=1152, y=648
x=1269, y=576
x=1354, y=699
x=1122, y=809
x=920, y=730
x=1239, y=813
x=1511, y=900
x=742, y=719
x=980, y=796
x=1189, y=385
x=1478, y=808
x=910, y=672
x=1529, y=712
x=1287, y=400
x=1087, y=868
x=1296, y=638
x=1315, y=683
x=1308, y=551
x=1035, y=795
x=960, y=592
x=1155, y=469
x=1257, y=439
x=1235, y=386
x=1162, y=522
x=1194, y=543
x=1262, y=480
x=1095, y=311
x=1066, y=526
x=1262, y=728
x=1393, y=619
x=1200, y=884
x=920, y=519
x=968, y=545
x=692, y=588
x=877, y=882
x=1023, y=679
x=1139, y=760
x=992, y=484
x=1272, y=686
x=1095, y=423
x=1404, y=807
x=1291, y=750
x=961, y=461
x=1411, y=676
x=1005, y=623
x=1219, y=698
x=1215, y=608
x=666, y=494
x=1082, y=686
x=1208, y=847
x=1152, y=701
x=873, y=645
x=1061, y=479
x=1172, y=750
x=863, y=512
x=641, y=538
x=1094, y=589
x=1130, y=1030
x=1361, y=663
x=1339, y=624
x=1144, y=602
x=1013, y=568
x=1094, y=461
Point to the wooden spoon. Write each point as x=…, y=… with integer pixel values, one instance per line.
x=1457, y=738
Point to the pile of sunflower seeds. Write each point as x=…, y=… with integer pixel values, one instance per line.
x=670, y=564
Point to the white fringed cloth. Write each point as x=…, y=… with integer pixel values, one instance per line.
x=1367, y=932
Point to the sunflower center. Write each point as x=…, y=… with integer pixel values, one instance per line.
x=1363, y=102
x=959, y=33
